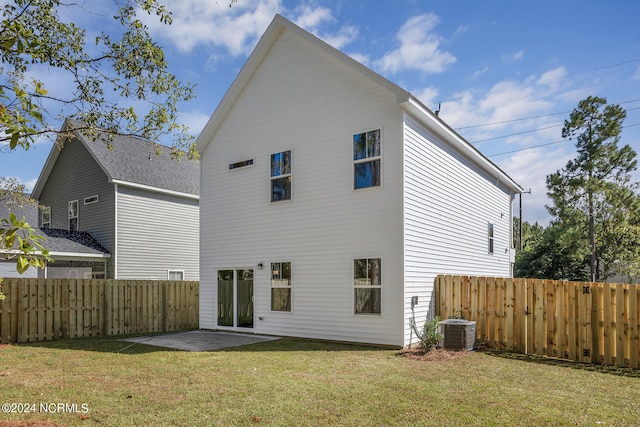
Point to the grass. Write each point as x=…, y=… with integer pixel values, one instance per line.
x=304, y=382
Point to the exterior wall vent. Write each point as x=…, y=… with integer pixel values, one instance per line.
x=458, y=334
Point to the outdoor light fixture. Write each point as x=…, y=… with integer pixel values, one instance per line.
x=260, y=265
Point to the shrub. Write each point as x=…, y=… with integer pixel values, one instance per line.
x=429, y=337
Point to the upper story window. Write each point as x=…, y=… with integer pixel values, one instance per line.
x=73, y=215
x=91, y=200
x=281, y=176
x=490, y=237
x=366, y=159
x=46, y=217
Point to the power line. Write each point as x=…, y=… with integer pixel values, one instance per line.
x=536, y=130
x=540, y=116
x=547, y=144
x=517, y=133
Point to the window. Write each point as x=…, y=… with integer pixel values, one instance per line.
x=73, y=215
x=366, y=159
x=46, y=217
x=281, y=176
x=241, y=164
x=90, y=200
x=280, y=286
x=367, y=284
x=175, y=275
x=490, y=235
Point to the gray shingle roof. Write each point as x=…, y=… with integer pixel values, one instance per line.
x=78, y=242
x=135, y=160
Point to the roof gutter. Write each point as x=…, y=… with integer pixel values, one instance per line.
x=155, y=189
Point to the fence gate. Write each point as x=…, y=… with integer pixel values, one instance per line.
x=578, y=321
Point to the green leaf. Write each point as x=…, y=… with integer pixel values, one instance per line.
x=22, y=264
x=14, y=141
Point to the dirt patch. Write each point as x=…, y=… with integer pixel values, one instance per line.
x=437, y=355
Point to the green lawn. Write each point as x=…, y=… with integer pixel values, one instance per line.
x=294, y=382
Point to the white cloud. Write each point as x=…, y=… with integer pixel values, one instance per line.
x=553, y=78
x=238, y=28
x=428, y=96
x=195, y=120
x=419, y=48
x=479, y=73
x=203, y=22
x=311, y=19
x=512, y=57
x=636, y=76
x=530, y=168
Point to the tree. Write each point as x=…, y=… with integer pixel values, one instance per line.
x=553, y=252
x=126, y=64
x=109, y=75
x=594, y=199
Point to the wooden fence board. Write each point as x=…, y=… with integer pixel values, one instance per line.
x=49, y=309
x=634, y=345
x=582, y=322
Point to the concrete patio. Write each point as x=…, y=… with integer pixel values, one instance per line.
x=201, y=340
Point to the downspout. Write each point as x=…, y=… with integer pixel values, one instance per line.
x=115, y=231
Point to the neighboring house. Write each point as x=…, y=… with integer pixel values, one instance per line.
x=75, y=253
x=142, y=207
x=331, y=198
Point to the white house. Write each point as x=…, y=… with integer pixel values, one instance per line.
x=331, y=198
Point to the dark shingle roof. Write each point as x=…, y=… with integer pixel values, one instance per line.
x=78, y=242
x=134, y=160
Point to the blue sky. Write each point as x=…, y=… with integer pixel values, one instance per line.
x=505, y=73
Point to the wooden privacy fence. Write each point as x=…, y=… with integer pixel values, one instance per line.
x=578, y=321
x=50, y=309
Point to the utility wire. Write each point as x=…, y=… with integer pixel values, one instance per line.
x=540, y=116
x=547, y=144
x=517, y=133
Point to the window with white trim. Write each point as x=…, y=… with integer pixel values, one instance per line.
x=281, y=176
x=280, y=286
x=73, y=215
x=46, y=217
x=490, y=237
x=175, y=275
x=367, y=285
x=366, y=159
x=91, y=200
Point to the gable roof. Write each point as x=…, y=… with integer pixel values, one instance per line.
x=406, y=101
x=131, y=162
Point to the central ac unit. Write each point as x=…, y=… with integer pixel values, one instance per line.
x=458, y=334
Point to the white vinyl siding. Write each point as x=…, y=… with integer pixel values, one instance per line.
x=447, y=205
x=330, y=224
x=156, y=233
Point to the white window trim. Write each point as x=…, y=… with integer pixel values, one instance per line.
x=367, y=159
x=491, y=241
x=252, y=160
x=48, y=223
x=175, y=271
x=290, y=287
x=91, y=200
x=77, y=217
x=381, y=287
x=286, y=175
